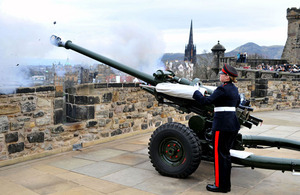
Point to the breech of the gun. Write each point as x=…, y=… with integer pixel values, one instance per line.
x=179, y=90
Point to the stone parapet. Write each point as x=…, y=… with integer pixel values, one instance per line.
x=36, y=120
x=39, y=122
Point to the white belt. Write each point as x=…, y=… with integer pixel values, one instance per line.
x=224, y=109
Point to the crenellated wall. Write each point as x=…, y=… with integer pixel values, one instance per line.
x=40, y=121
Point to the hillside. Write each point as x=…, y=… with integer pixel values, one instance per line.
x=172, y=56
x=271, y=52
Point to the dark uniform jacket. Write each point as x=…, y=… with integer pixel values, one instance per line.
x=226, y=95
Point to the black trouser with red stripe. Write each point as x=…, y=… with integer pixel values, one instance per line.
x=223, y=141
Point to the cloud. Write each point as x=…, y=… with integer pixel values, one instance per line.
x=20, y=42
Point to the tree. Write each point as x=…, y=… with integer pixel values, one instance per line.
x=204, y=65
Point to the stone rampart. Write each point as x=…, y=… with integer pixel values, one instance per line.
x=39, y=121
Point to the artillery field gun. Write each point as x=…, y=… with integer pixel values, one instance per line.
x=176, y=150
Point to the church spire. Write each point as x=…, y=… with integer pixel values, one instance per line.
x=191, y=33
x=190, y=49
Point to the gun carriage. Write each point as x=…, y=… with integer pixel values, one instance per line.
x=175, y=149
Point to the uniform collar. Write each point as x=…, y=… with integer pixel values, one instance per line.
x=227, y=82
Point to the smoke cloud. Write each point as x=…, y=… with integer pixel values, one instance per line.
x=24, y=43
x=137, y=46
x=21, y=42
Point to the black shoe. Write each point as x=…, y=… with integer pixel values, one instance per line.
x=214, y=188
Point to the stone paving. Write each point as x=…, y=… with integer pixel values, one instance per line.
x=123, y=167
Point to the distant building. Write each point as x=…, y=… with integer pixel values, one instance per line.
x=103, y=74
x=186, y=67
x=190, y=49
x=183, y=69
x=38, y=79
x=291, y=50
x=218, y=52
x=86, y=76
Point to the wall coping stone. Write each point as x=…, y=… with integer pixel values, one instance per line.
x=35, y=89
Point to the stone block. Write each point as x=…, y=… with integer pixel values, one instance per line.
x=170, y=119
x=16, y=125
x=59, y=91
x=83, y=100
x=85, y=89
x=130, y=85
x=100, y=85
x=28, y=106
x=14, y=148
x=71, y=99
x=87, y=137
x=45, y=88
x=4, y=124
x=149, y=105
x=124, y=125
x=102, y=123
x=69, y=108
x=25, y=90
x=158, y=123
x=261, y=86
x=11, y=137
x=91, y=112
x=79, y=112
x=261, y=92
x=103, y=114
x=58, y=103
x=58, y=116
x=129, y=108
x=44, y=103
x=93, y=100
x=261, y=81
x=117, y=85
x=43, y=121
x=38, y=114
x=71, y=90
x=91, y=123
x=6, y=109
x=104, y=134
x=107, y=97
x=120, y=103
x=23, y=119
x=36, y=137
x=116, y=132
x=57, y=130
x=144, y=126
x=71, y=120
x=75, y=126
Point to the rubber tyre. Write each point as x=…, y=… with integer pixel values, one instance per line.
x=174, y=150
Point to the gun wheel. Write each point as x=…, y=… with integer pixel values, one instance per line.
x=174, y=150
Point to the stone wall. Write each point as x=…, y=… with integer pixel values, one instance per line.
x=268, y=94
x=39, y=121
x=25, y=120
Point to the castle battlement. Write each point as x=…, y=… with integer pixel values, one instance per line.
x=291, y=50
x=293, y=13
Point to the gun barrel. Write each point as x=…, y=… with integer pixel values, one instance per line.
x=69, y=45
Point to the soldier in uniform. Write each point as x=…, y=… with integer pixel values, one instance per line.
x=225, y=126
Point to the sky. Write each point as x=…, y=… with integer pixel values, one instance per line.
x=133, y=32
x=138, y=27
